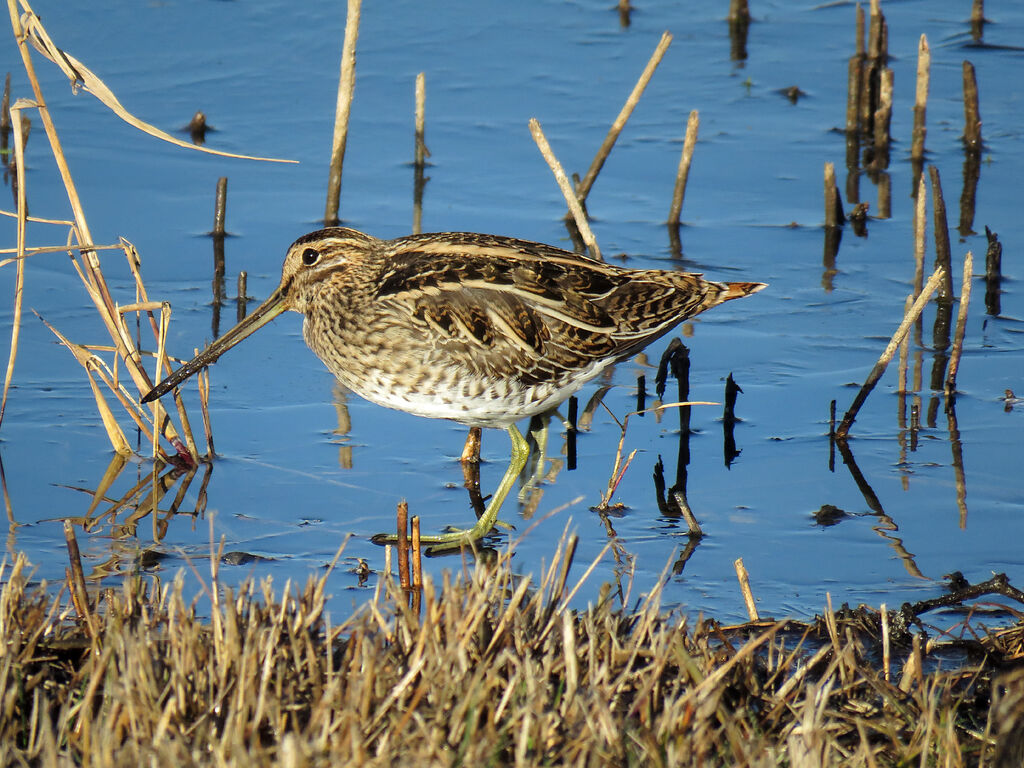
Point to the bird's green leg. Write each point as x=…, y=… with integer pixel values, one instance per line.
x=458, y=537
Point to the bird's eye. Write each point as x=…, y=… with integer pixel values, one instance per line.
x=310, y=256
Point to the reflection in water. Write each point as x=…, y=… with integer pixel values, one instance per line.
x=625, y=9
x=993, y=273
x=729, y=421
x=119, y=517
x=344, y=425
x=958, y=460
x=886, y=524
x=972, y=175
x=739, y=25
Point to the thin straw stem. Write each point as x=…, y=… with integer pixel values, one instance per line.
x=692, y=125
x=19, y=281
x=924, y=59
x=346, y=86
x=890, y=349
x=961, y=325
x=583, y=189
x=563, y=183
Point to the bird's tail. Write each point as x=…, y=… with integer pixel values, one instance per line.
x=739, y=290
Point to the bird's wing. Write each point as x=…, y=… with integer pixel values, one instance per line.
x=521, y=311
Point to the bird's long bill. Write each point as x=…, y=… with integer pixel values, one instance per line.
x=275, y=304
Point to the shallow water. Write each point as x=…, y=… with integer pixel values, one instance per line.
x=288, y=486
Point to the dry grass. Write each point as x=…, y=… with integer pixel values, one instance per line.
x=494, y=669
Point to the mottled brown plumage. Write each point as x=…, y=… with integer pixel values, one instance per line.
x=481, y=329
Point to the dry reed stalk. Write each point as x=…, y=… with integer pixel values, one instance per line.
x=346, y=87
x=978, y=12
x=886, y=652
x=924, y=59
x=19, y=280
x=961, y=325
x=571, y=199
x=241, y=299
x=883, y=361
x=402, y=528
x=220, y=206
x=972, y=117
x=144, y=304
x=920, y=222
x=689, y=142
x=583, y=188
x=93, y=364
x=833, y=206
x=943, y=253
x=493, y=654
x=77, y=583
x=901, y=387
x=417, y=555
x=748, y=597
x=89, y=269
x=739, y=10
x=853, y=86
x=883, y=115
x=421, y=151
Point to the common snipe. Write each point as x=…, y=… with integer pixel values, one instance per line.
x=481, y=329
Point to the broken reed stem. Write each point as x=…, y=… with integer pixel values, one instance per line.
x=972, y=118
x=886, y=653
x=901, y=387
x=402, y=526
x=583, y=188
x=943, y=254
x=739, y=10
x=978, y=12
x=346, y=86
x=417, y=556
x=692, y=125
x=961, y=325
x=924, y=59
x=241, y=299
x=748, y=596
x=19, y=280
x=90, y=271
x=220, y=207
x=563, y=183
x=203, y=382
x=875, y=31
x=883, y=115
x=421, y=151
x=692, y=524
x=853, y=90
x=920, y=222
x=876, y=373
x=79, y=594
x=833, y=206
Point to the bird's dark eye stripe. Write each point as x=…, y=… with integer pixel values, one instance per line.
x=310, y=256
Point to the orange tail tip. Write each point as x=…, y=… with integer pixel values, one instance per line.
x=739, y=290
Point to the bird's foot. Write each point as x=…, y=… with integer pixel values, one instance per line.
x=453, y=538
